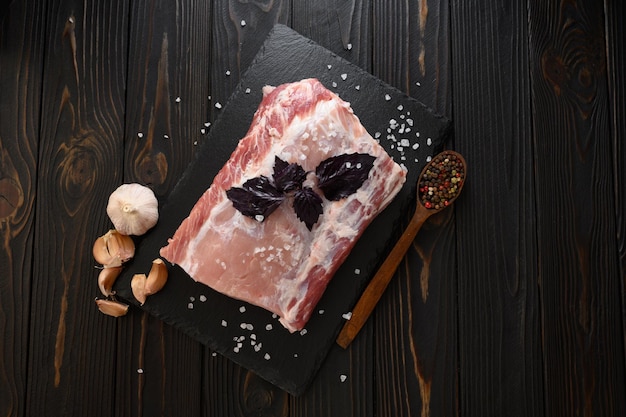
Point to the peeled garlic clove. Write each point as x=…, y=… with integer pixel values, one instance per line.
x=107, y=278
x=157, y=277
x=112, y=307
x=113, y=249
x=133, y=209
x=138, y=286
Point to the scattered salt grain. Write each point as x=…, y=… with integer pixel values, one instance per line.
x=140, y=135
x=295, y=355
x=227, y=72
x=242, y=309
x=329, y=66
x=203, y=298
x=140, y=371
x=207, y=124
x=416, y=145
x=344, y=76
x=218, y=105
x=224, y=323
x=357, y=87
x=321, y=312
x=418, y=84
x=405, y=142
x=357, y=271
x=243, y=326
x=343, y=378
x=248, y=90
x=192, y=298
x=377, y=135
x=429, y=141
x=334, y=84
x=268, y=327
x=387, y=97
x=400, y=107
x=203, y=131
x=267, y=357
x=190, y=306
x=178, y=99
x=243, y=23
x=214, y=354
x=347, y=315
x=259, y=218
x=166, y=137
x=303, y=332
x=429, y=158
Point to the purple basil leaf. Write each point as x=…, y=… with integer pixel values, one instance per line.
x=308, y=206
x=339, y=176
x=288, y=177
x=256, y=198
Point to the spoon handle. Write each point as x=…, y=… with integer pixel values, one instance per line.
x=379, y=282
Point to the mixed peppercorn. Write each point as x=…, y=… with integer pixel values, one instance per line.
x=441, y=180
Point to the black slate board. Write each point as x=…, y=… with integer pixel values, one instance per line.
x=246, y=334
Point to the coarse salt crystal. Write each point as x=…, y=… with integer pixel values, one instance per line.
x=405, y=142
x=203, y=298
x=140, y=135
x=429, y=141
x=166, y=136
x=218, y=105
x=357, y=271
x=344, y=76
x=349, y=46
x=224, y=323
x=321, y=312
x=303, y=332
x=387, y=97
x=140, y=371
x=329, y=66
x=227, y=72
x=377, y=135
x=178, y=99
x=416, y=145
x=243, y=23
x=203, y=131
x=248, y=90
x=242, y=309
x=207, y=124
x=343, y=378
x=347, y=315
x=334, y=84
x=357, y=87
x=267, y=357
x=190, y=306
x=268, y=327
x=192, y=298
x=400, y=107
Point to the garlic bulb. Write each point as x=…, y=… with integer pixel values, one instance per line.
x=133, y=209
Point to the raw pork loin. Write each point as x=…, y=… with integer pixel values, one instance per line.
x=278, y=263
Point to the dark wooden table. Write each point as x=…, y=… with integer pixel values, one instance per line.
x=511, y=304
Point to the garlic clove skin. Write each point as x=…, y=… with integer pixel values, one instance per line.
x=157, y=277
x=138, y=287
x=107, y=278
x=133, y=209
x=113, y=249
x=111, y=307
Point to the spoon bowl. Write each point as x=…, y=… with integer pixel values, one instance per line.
x=438, y=186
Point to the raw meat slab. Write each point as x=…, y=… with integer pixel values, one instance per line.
x=250, y=335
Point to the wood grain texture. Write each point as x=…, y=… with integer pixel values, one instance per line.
x=20, y=78
x=342, y=27
x=348, y=36
x=415, y=326
x=615, y=21
x=498, y=302
x=159, y=368
x=70, y=352
x=580, y=283
x=238, y=29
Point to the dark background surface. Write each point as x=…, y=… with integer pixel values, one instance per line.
x=512, y=303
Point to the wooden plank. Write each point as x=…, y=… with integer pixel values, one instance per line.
x=71, y=353
x=238, y=30
x=159, y=369
x=21, y=34
x=342, y=27
x=344, y=384
x=498, y=302
x=583, y=341
x=415, y=324
x=615, y=16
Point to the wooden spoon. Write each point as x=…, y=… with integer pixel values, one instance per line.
x=440, y=170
